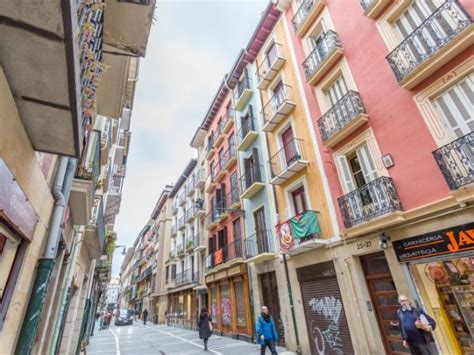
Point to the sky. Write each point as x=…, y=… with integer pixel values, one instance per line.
x=192, y=44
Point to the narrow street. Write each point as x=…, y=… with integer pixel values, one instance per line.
x=161, y=339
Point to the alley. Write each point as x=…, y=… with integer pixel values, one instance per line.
x=161, y=340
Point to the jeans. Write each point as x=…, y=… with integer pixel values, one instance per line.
x=271, y=346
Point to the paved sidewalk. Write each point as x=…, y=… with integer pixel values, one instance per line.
x=138, y=339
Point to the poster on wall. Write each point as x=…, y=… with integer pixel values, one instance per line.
x=443, y=242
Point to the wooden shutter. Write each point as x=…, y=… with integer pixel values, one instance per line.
x=337, y=90
x=345, y=174
x=366, y=163
x=256, y=165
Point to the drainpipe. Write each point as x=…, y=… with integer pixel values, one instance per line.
x=287, y=276
x=45, y=264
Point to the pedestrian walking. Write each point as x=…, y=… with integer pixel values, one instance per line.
x=145, y=316
x=266, y=332
x=101, y=321
x=205, y=326
x=415, y=327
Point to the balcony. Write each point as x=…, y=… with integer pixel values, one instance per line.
x=305, y=15
x=210, y=261
x=199, y=243
x=228, y=120
x=190, y=214
x=226, y=256
x=288, y=161
x=375, y=199
x=119, y=170
x=441, y=37
x=247, y=134
x=95, y=230
x=212, y=220
x=190, y=243
x=233, y=198
x=211, y=181
x=199, y=209
x=219, y=171
x=172, y=255
x=346, y=116
x=174, y=210
x=251, y=182
x=210, y=150
x=219, y=134
x=242, y=93
x=322, y=58
x=184, y=277
x=181, y=224
x=222, y=210
x=456, y=162
x=180, y=250
x=373, y=8
x=304, y=238
x=260, y=247
x=182, y=197
x=268, y=69
x=230, y=157
x=277, y=108
x=174, y=230
x=200, y=179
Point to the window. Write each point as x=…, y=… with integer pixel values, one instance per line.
x=167, y=274
x=299, y=200
x=455, y=107
x=413, y=17
x=337, y=90
x=357, y=168
x=221, y=158
x=278, y=96
x=173, y=272
x=271, y=54
x=260, y=231
x=246, y=121
x=236, y=228
x=289, y=146
x=231, y=142
x=211, y=167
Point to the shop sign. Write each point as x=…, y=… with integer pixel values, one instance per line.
x=447, y=241
x=15, y=205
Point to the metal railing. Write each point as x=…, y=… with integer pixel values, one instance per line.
x=367, y=4
x=184, y=277
x=272, y=107
x=341, y=114
x=209, y=261
x=259, y=243
x=174, y=229
x=246, y=127
x=182, y=197
x=232, y=250
x=456, y=161
x=372, y=200
x=241, y=86
x=251, y=176
x=329, y=42
x=89, y=166
x=292, y=152
x=233, y=196
x=190, y=242
x=180, y=222
x=190, y=212
x=212, y=215
x=210, y=143
x=433, y=34
x=266, y=66
x=303, y=12
x=180, y=250
x=230, y=153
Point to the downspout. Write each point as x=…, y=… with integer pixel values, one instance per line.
x=287, y=275
x=87, y=307
x=45, y=264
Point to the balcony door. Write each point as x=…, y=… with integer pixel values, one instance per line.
x=337, y=90
x=271, y=54
x=357, y=169
x=221, y=158
x=260, y=231
x=299, y=200
x=278, y=96
x=289, y=146
x=252, y=169
x=456, y=108
x=246, y=122
x=318, y=46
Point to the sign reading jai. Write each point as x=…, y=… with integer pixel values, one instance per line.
x=447, y=241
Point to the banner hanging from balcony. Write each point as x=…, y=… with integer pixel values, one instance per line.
x=293, y=230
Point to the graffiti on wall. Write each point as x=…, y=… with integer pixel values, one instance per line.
x=330, y=308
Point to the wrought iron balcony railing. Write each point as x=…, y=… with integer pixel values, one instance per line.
x=270, y=66
x=278, y=106
x=456, y=161
x=259, y=243
x=182, y=197
x=233, y=197
x=184, y=277
x=190, y=242
x=190, y=213
x=366, y=4
x=240, y=88
x=251, y=176
x=232, y=250
x=303, y=12
x=329, y=42
x=375, y=199
x=180, y=250
x=341, y=114
x=181, y=222
x=210, y=261
x=246, y=127
x=291, y=154
x=426, y=40
x=174, y=229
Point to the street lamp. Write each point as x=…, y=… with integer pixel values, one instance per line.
x=124, y=251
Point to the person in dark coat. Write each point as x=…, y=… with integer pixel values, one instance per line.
x=415, y=328
x=205, y=326
x=145, y=316
x=267, y=334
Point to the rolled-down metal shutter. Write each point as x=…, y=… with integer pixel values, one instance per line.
x=326, y=321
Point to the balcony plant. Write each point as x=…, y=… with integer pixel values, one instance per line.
x=110, y=239
x=189, y=244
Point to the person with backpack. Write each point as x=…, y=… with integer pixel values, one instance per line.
x=266, y=332
x=415, y=328
x=204, y=326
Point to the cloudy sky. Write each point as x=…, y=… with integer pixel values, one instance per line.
x=192, y=44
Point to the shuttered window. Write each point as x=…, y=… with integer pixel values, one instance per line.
x=455, y=106
x=337, y=90
x=240, y=304
x=357, y=168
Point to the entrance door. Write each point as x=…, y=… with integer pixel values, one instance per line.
x=270, y=299
x=384, y=297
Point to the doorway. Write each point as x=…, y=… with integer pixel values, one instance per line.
x=384, y=297
x=270, y=299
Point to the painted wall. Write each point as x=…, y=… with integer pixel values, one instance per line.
x=393, y=114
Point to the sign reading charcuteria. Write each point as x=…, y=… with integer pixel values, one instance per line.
x=295, y=230
x=447, y=241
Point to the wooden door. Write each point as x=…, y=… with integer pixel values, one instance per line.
x=299, y=200
x=270, y=299
x=260, y=231
x=384, y=297
x=289, y=146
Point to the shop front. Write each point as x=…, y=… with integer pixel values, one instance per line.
x=327, y=327
x=441, y=265
x=182, y=308
x=228, y=293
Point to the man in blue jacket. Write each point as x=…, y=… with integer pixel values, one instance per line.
x=266, y=332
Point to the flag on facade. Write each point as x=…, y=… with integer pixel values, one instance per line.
x=305, y=224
